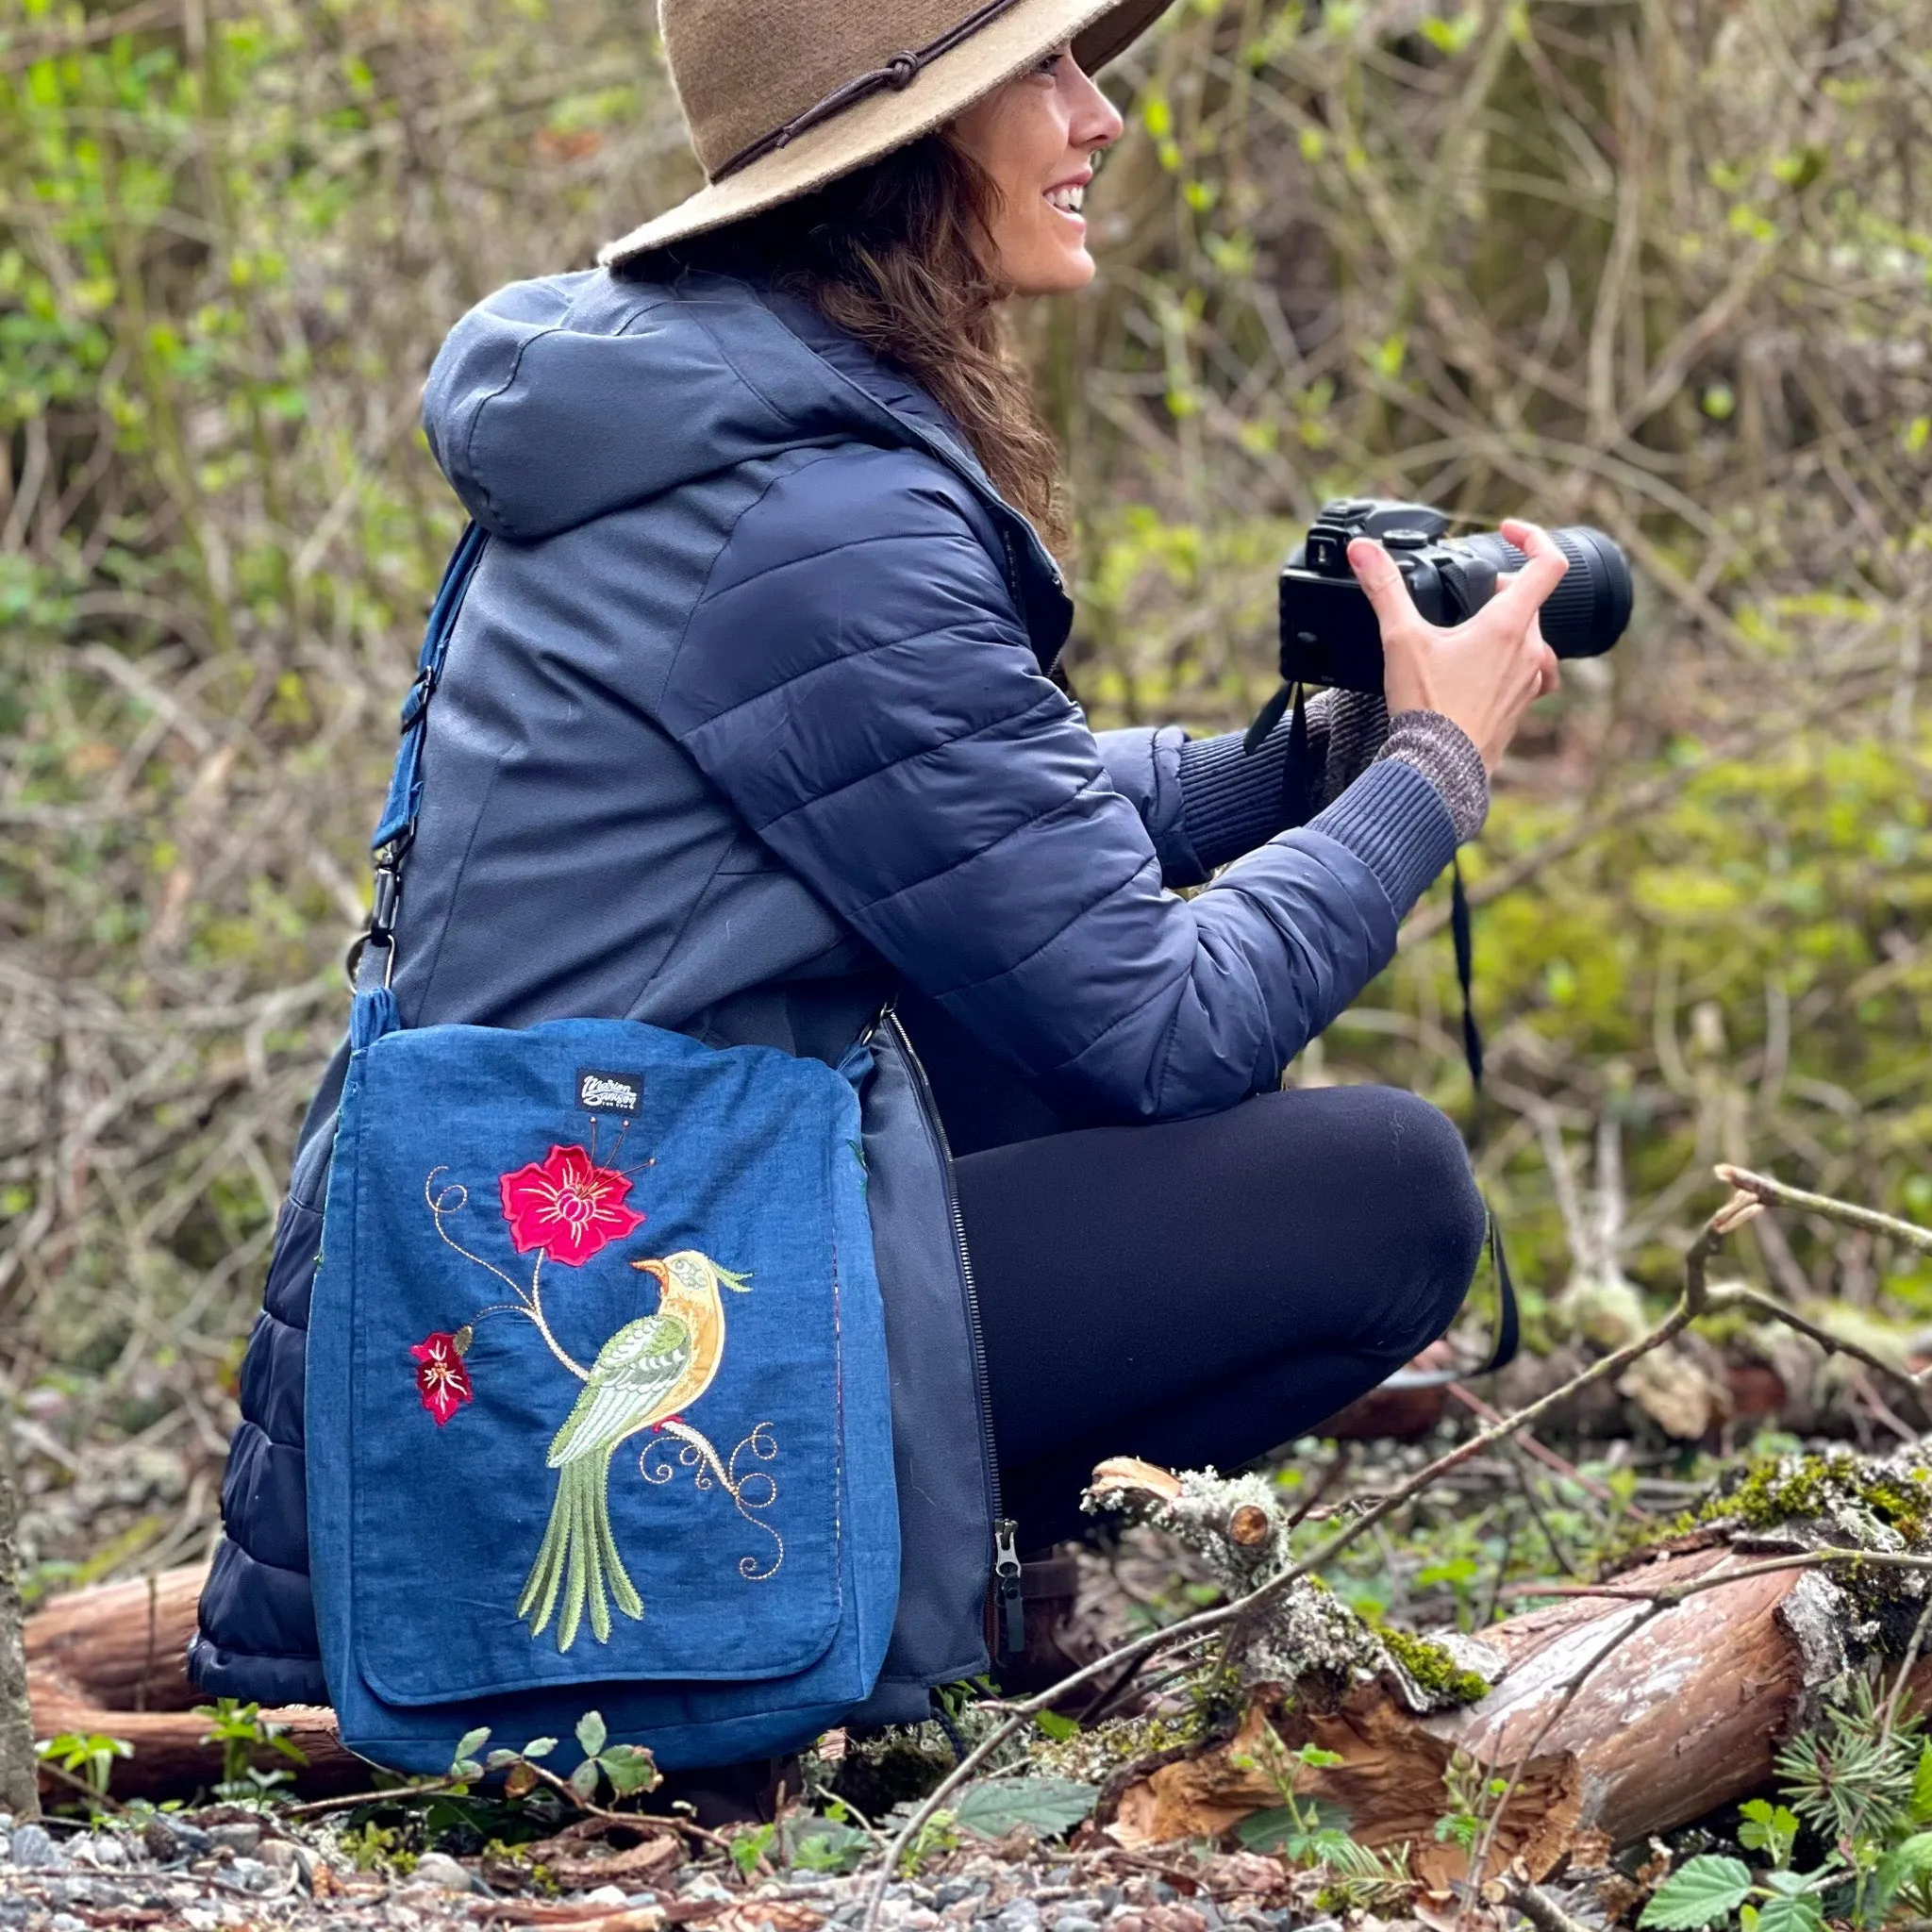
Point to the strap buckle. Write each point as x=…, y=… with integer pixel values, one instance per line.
x=382, y=922
x=416, y=699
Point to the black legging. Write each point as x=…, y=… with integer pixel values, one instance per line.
x=1201, y=1291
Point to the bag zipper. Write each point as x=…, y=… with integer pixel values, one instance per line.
x=1010, y=1613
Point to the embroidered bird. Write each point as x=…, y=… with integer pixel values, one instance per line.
x=648, y=1371
x=690, y=1282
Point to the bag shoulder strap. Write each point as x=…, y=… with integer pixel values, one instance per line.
x=372, y=959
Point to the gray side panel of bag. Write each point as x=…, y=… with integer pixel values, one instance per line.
x=946, y=1527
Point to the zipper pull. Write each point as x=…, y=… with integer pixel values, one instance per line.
x=1005, y=1576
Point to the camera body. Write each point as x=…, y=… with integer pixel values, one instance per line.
x=1329, y=634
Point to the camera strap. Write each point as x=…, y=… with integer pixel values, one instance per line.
x=1460, y=931
x=1301, y=784
x=1504, y=1340
x=1300, y=790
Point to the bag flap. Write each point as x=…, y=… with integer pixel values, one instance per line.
x=593, y=1387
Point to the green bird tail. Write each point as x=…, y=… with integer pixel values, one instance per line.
x=579, y=1558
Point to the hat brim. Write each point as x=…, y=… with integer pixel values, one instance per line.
x=1098, y=29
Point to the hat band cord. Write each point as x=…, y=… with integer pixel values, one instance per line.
x=901, y=70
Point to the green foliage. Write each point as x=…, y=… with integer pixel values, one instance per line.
x=1769, y=1827
x=87, y=1757
x=828, y=1844
x=243, y=1733
x=1858, y=1781
x=626, y=1770
x=372, y=1847
x=1472, y=1802
x=749, y=1847
x=1044, y=1806
x=1705, y=1890
x=939, y=1835
x=1854, y=1778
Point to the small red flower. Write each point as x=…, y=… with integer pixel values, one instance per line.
x=442, y=1379
x=567, y=1207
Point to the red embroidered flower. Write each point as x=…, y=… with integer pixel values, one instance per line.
x=567, y=1207
x=442, y=1379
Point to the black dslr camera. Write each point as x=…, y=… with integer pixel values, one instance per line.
x=1328, y=631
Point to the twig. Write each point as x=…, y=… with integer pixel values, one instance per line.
x=1775, y=1193
x=1668, y=1595
x=1837, y=1344
x=317, y=1808
x=1549, y=1535
x=633, y=1819
x=79, y=1784
x=1540, y=1909
x=1529, y=1445
x=320, y=1808
x=1692, y=1302
x=1904, y=1670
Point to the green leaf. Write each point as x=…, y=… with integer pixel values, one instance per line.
x=1701, y=1892
x=1922, y=1787
x=1279, y=1830
x=1801, y=1914
x=1905, y=1864
x=750, y=1845
x=583, y=1780
x=472, y=1743
x=1053, y=1725
x=825, y=1844
x=1318, y=1760
x=1047, y=1806
x=539, y=1747
x=629, y=1768
x=591, y=1733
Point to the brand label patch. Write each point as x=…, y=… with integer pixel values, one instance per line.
x=609, y=1093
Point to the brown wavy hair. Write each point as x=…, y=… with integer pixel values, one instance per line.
x=895, y=254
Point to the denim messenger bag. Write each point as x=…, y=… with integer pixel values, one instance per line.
x=597, y=1402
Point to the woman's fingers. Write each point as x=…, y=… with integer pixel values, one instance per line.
x=1546, y=567
x=1387, y=595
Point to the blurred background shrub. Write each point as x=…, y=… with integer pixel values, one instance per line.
x=1661, y=265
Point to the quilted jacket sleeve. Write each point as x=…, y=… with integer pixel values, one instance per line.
x=856, y=680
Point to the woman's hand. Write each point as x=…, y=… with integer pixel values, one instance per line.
x=1483, y=674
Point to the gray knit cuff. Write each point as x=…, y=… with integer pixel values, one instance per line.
x=1358, y=728
x=1445, y=755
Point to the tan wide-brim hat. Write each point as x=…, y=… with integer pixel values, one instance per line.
x=781, y=96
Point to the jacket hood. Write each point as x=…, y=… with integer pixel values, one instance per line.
x=557, y=401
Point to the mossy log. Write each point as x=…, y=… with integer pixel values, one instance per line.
x=1620, y=1716
x=110, y=1661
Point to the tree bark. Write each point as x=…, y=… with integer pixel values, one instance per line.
x=18, y=1778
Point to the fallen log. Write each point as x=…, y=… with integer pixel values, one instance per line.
x=1616, y=1716
x=110, y=1661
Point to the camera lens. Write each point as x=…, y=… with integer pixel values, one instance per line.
x=1588, y=610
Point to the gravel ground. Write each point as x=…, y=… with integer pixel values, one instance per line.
x=204, y=1874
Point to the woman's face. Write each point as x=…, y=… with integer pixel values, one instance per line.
x=1037, y=137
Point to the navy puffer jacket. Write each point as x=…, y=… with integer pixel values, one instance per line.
x=745, y=724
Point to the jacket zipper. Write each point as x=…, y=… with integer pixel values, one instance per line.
x=1010, y=1608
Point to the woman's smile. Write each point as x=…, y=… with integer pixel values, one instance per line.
x=1036, y=139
